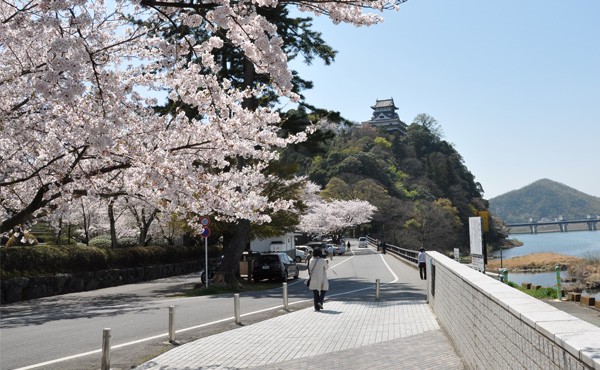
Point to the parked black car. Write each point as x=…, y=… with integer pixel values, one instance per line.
x=275, y=266
x=322, y=245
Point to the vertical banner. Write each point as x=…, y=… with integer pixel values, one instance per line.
x=457, y=254
x=485, y=220
x=476, y=239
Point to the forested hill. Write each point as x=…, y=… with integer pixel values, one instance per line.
x=423, y=191
x=544, y=199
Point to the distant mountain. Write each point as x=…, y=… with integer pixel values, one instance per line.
x=544, y=199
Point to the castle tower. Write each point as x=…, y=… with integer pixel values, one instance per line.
x=384, y=115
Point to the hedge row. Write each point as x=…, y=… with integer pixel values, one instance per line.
x=48, y=260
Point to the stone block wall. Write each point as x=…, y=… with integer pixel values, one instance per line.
x=494, y=326
x=15, y=290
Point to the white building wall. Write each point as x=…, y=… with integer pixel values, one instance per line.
x=283, y=243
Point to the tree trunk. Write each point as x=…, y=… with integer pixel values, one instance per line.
x=234, y=244
x=113, y=230
x=85, y=225
x=144, y=226
x=59, y=231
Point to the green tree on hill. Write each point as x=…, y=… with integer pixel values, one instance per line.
x=419, y=183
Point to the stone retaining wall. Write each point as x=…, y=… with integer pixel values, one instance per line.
x=494, y=326
x=15, y=290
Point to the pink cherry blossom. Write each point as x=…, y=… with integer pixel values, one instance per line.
x=77, y=82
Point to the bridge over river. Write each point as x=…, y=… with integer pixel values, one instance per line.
x=592, y=224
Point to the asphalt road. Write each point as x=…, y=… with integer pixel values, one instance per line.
x=65, y=332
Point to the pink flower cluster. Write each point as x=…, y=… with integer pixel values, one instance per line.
x=77, y=86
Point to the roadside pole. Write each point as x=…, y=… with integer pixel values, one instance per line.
x=206, y=262
x=205, y=221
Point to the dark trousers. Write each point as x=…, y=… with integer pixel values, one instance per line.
x=423, y=270
x=319, y=296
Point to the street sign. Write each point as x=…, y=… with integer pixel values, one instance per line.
x=205, y=233
x=476, y=241
x=204, y=221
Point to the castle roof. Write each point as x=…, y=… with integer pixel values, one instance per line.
x=384, y=103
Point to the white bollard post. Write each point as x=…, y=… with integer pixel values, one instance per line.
x=285, y=296
x=105, y=349
x=236, y=307
x=377, y=289
x=171, y=324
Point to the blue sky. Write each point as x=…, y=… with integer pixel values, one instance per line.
x=515, y=85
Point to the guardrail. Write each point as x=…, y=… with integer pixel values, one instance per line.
x=408, y=254
x=412, y=256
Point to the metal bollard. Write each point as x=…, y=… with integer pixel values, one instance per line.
x=171, y=324
x=377, y=289
x=285, y=296
x=558, y=284
x=105, y=349
x=236, y=307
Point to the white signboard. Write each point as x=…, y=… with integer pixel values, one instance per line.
x=457, y=254
x=475, y=235
x=478, y=262
x=277, y=247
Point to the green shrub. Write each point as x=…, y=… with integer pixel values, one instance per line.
x=100, y=242
x=544, y=293
x=104, y=241
x=536, y=293
x=127, y=242
x=63, y=241
x=45, y=237
x=44, y=260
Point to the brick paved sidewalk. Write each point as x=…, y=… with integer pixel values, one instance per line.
x=346, y=334
x=428, y=350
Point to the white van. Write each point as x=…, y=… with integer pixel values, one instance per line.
x=362, y=242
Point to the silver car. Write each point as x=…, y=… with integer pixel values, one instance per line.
x=338, y=248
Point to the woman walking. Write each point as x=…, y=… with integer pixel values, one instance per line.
x=317, y=268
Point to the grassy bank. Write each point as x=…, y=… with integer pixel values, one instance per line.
x=220, y=288
x=542, y=293
x=536, y=262
x=586, y=270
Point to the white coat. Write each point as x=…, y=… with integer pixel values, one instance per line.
x=318, y=274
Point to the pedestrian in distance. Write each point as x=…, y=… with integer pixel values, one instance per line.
x=319, y=284
x=348, y=244
x=422, y=264
x=383, y=246
x=309, y=256
x=330, y=251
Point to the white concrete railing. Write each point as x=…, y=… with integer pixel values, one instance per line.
x=494, y=326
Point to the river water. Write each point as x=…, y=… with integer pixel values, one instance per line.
x=573, y=243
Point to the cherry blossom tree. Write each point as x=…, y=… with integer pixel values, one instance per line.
x=336, y=216
x=78, y=81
